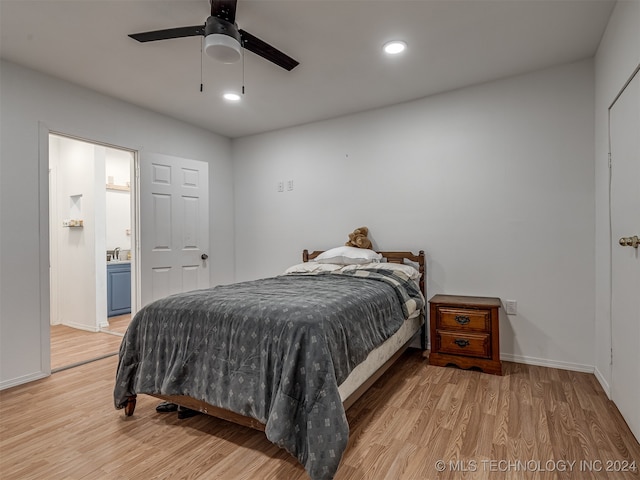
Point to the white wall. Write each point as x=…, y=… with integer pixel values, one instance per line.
x=77, y=270
x=494, y=182
x=118, y=220
x=617, y=57
x=29, y=99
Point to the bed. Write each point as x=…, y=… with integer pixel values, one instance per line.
x=286, y=355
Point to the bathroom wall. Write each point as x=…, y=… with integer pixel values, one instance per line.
x=118, y=195
x=78, y=268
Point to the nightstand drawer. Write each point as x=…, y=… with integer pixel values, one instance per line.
x=464, y=319
x=470, y=345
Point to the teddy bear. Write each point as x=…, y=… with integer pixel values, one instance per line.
x=358, y=238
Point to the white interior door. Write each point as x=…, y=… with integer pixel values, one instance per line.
x=174, y=223
x=624, y=127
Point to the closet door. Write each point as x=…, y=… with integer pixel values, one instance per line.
x=624, y=125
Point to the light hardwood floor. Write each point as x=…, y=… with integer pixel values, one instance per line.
x=119, y=323
x=518, y=426
x=70, y=346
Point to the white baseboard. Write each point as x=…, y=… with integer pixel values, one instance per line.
x=543, y=362
x=603, y=383
x=79, y=326
x=21, y=380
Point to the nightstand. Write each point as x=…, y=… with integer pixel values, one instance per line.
x=465, y=332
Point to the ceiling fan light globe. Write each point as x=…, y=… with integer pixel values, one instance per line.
x=223, y=48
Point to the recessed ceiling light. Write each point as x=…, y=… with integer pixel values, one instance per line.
x=232, y=97
x=395, y=47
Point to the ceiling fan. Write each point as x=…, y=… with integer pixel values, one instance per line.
x=223, y=39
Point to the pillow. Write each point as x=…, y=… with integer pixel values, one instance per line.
x=348, y=256
x=312, y=267
x=408, y=270
x=413, y=264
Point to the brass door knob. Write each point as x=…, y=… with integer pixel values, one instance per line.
x=630, y=241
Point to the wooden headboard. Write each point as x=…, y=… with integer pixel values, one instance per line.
x=391, y=257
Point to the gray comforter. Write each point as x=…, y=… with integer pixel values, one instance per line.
x=274, y=349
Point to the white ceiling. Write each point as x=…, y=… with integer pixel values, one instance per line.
x=452, y=44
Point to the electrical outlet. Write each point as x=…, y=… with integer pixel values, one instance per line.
x=280, y=186
x=289, y=185
x=511, y=306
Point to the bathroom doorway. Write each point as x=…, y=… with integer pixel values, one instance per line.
x=92, y=248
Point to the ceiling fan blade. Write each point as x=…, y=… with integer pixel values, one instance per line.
x=225, y=9
x=168, y=33
x=259, y=47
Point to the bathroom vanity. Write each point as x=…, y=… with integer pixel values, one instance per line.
x=118, y=288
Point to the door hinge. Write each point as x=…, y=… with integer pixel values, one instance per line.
x=611, y=356
x=609, y=159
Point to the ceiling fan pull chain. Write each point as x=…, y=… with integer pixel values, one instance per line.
x=201, y=42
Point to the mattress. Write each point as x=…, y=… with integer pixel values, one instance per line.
x=380, y=355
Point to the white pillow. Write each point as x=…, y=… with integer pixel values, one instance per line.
x=348, y=256
x=312, y=267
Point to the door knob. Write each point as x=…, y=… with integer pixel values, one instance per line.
x=630, y=241
x=204, y=256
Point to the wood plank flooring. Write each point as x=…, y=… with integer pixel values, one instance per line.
x=70, y=346
x=119, y=323
x=528, y=424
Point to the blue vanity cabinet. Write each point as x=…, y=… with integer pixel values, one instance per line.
x=118, y=289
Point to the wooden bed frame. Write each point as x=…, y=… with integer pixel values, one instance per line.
x=201, y=406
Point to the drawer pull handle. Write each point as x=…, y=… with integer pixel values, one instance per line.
x=462, y=319
x=461, y=342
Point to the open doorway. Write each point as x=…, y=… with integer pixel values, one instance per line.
x=92, y=245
